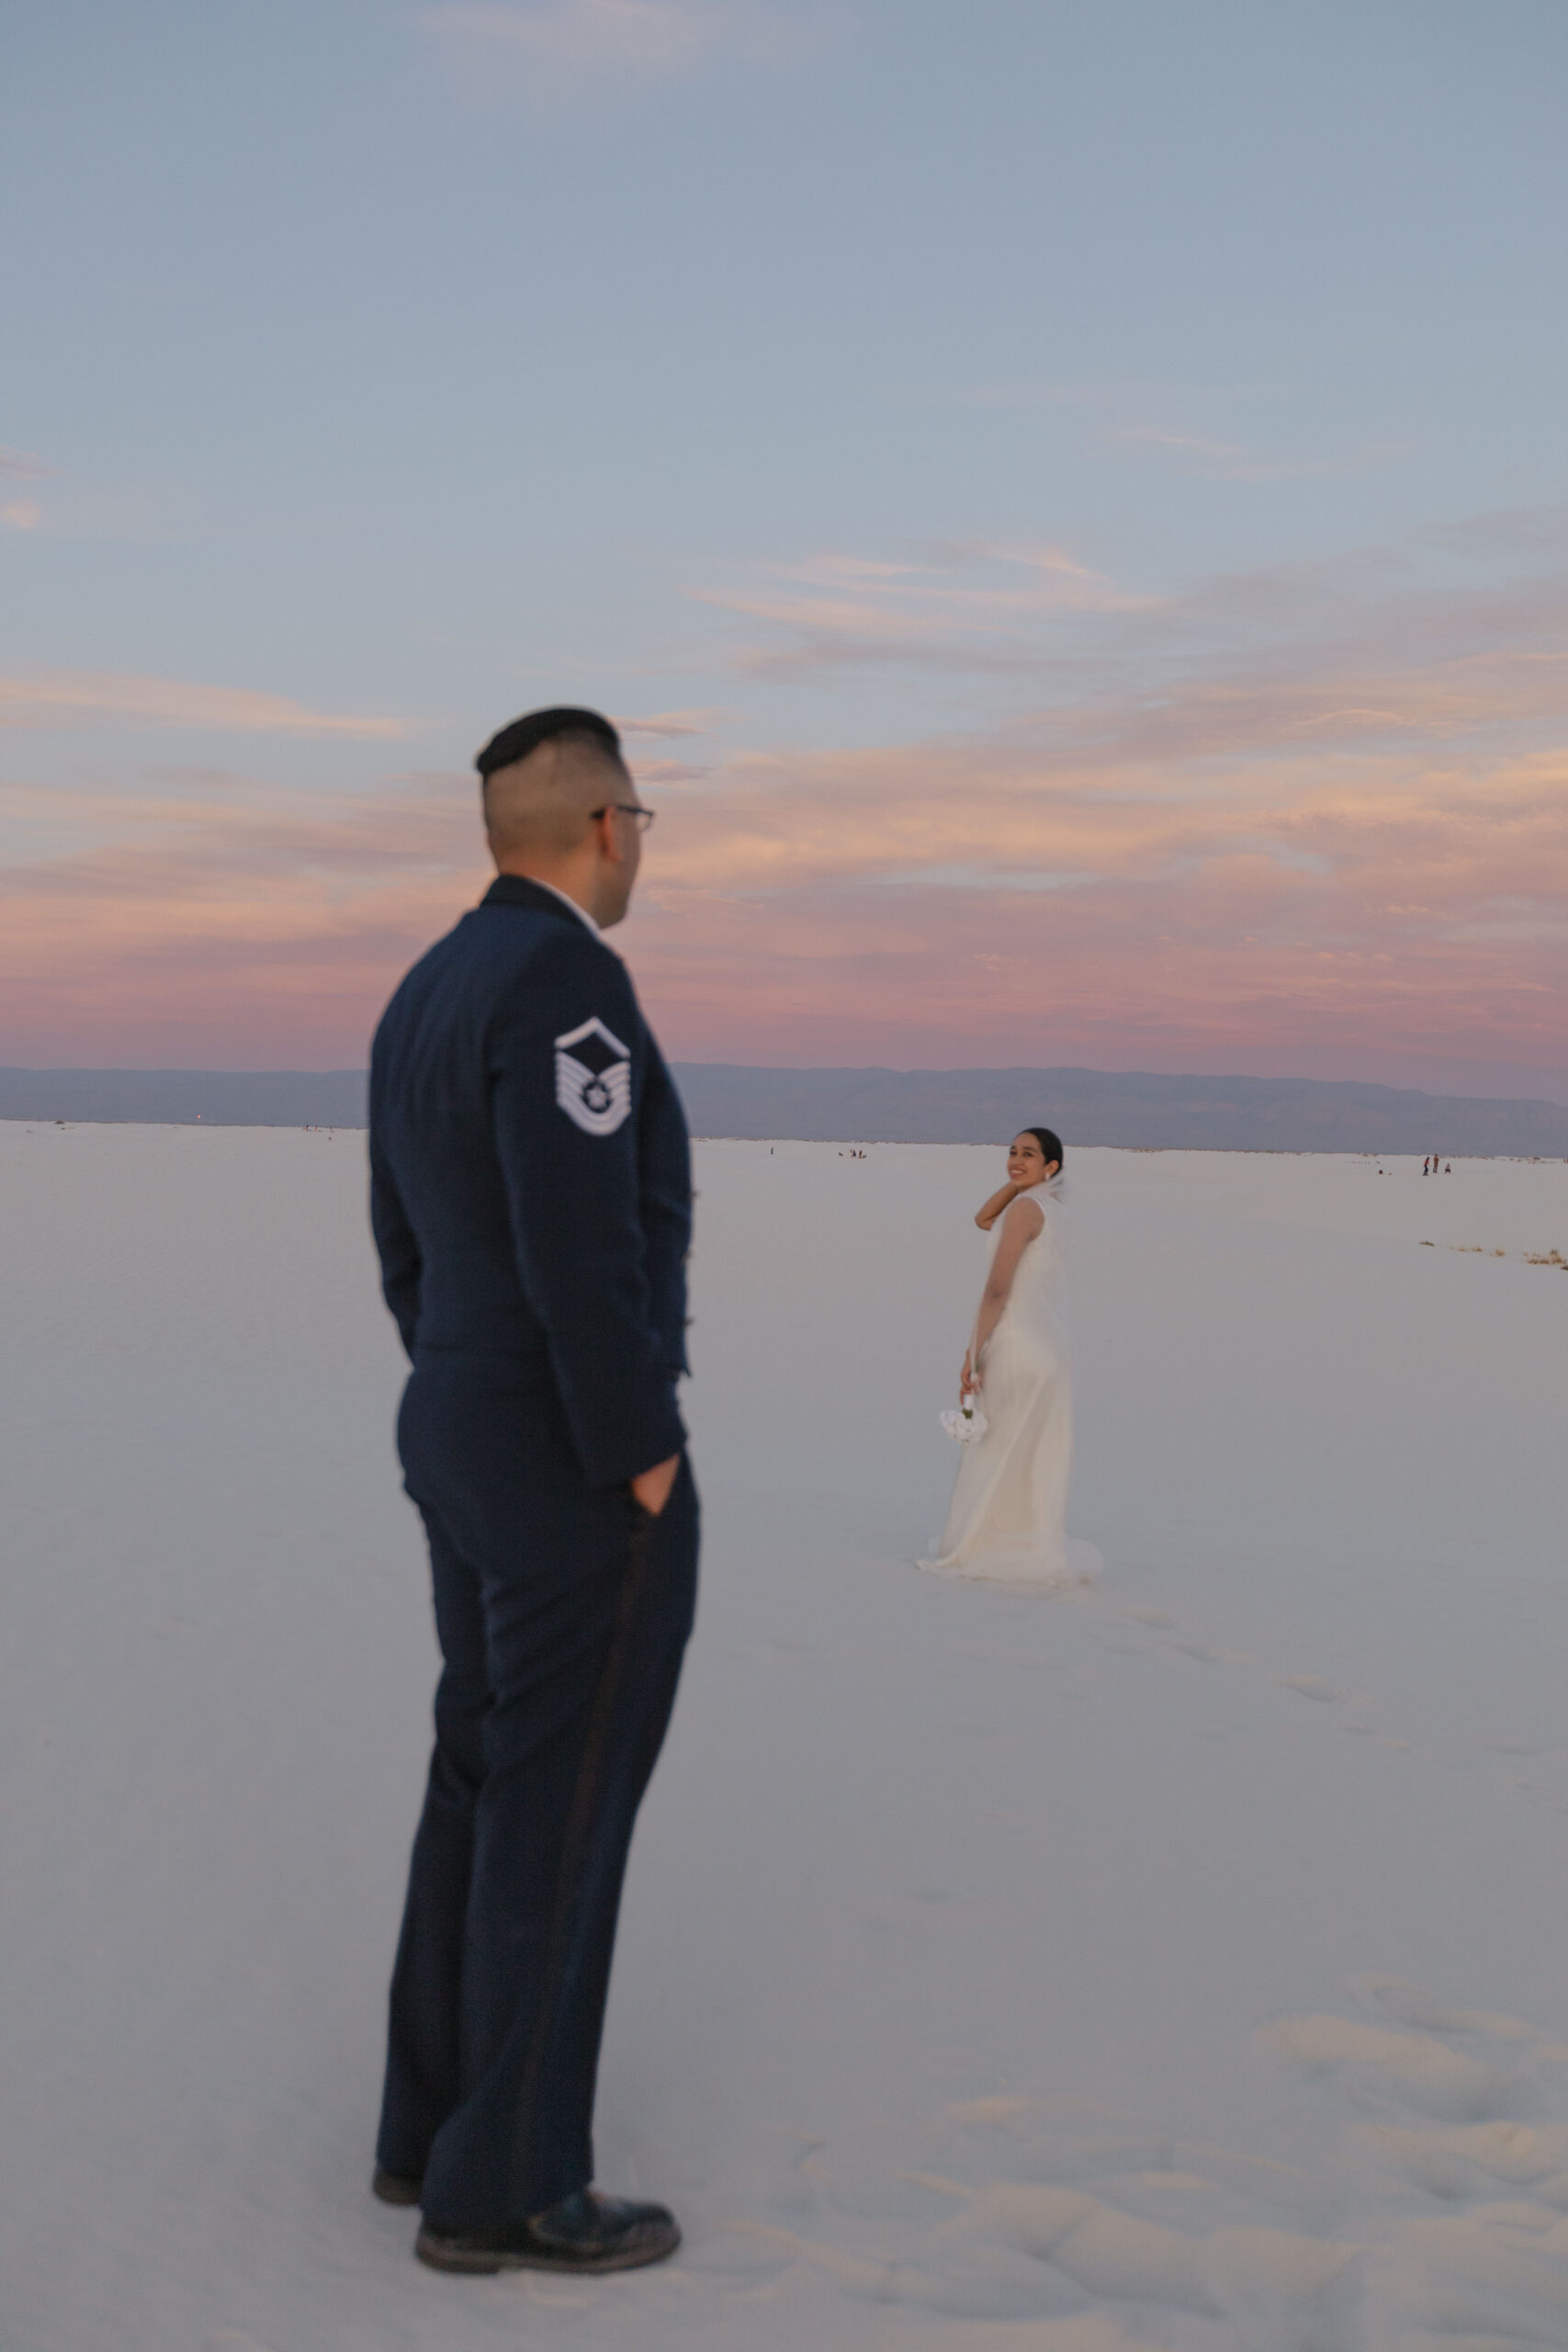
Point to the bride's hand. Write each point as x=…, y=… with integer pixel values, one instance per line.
x=968, y=1381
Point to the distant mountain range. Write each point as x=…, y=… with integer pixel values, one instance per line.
x=1136, y=1109
x=178, y=1098
x=1139, y=1109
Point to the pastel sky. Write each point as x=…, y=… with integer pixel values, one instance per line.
x=1068, y=498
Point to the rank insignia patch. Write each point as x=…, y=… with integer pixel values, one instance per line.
x=593, y=1078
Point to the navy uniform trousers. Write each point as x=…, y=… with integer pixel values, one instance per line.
x=531, y=1201
x=562, y=1612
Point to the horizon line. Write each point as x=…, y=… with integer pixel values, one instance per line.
x=803, y=1070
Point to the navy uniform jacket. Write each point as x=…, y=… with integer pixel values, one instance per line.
x=531, y=1178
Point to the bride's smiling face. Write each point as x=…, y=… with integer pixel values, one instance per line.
x=1026, y=1161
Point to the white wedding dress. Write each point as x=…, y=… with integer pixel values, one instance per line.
x=1007, y=1521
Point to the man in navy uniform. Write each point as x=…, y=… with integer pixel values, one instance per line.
x=531, y=1202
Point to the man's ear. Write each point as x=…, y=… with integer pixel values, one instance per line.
x=609, y=840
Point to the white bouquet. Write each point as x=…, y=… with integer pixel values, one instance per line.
x=966, y=1422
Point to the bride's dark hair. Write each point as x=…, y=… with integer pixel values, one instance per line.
x=1050, y=1143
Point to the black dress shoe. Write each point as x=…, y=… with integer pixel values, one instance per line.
x=584, y=2231
x=396, y=2188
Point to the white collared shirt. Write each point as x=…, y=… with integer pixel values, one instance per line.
x=581, y=912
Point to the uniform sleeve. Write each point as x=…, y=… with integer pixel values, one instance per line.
x=665, y=1174
x=567, y=1066
x=395, y=1244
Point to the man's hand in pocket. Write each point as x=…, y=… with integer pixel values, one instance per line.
x=651, y=1487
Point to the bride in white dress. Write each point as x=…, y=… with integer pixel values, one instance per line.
x=1008, y=1513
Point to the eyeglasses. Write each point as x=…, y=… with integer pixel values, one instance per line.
x=645, y=817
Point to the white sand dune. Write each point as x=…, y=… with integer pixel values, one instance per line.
x=1181, y=1961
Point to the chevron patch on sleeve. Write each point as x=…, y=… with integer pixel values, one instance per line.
x=593, y=1078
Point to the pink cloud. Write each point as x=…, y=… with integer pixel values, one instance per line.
x=1262, y=913
x=1042, y=613
x=1238, y=461
x=100, y=698
x=1314, y=820
x=953, y=903
x=572, y=40
x=977, y=605
x=637, y=36
x=23, y=466
x=666, y=724
x=224, y=917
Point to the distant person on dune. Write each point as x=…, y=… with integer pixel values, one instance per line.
x=531, y=1196
x=1007, y=1521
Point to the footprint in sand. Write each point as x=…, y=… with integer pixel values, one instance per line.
x=1038, y=2219
x=1054, y=2224
x=1413, y=2005
x=1311, y=1686
x=1464, y=2195
x=1420, y=2070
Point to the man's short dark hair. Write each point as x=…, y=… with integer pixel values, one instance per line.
x=527, y=734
